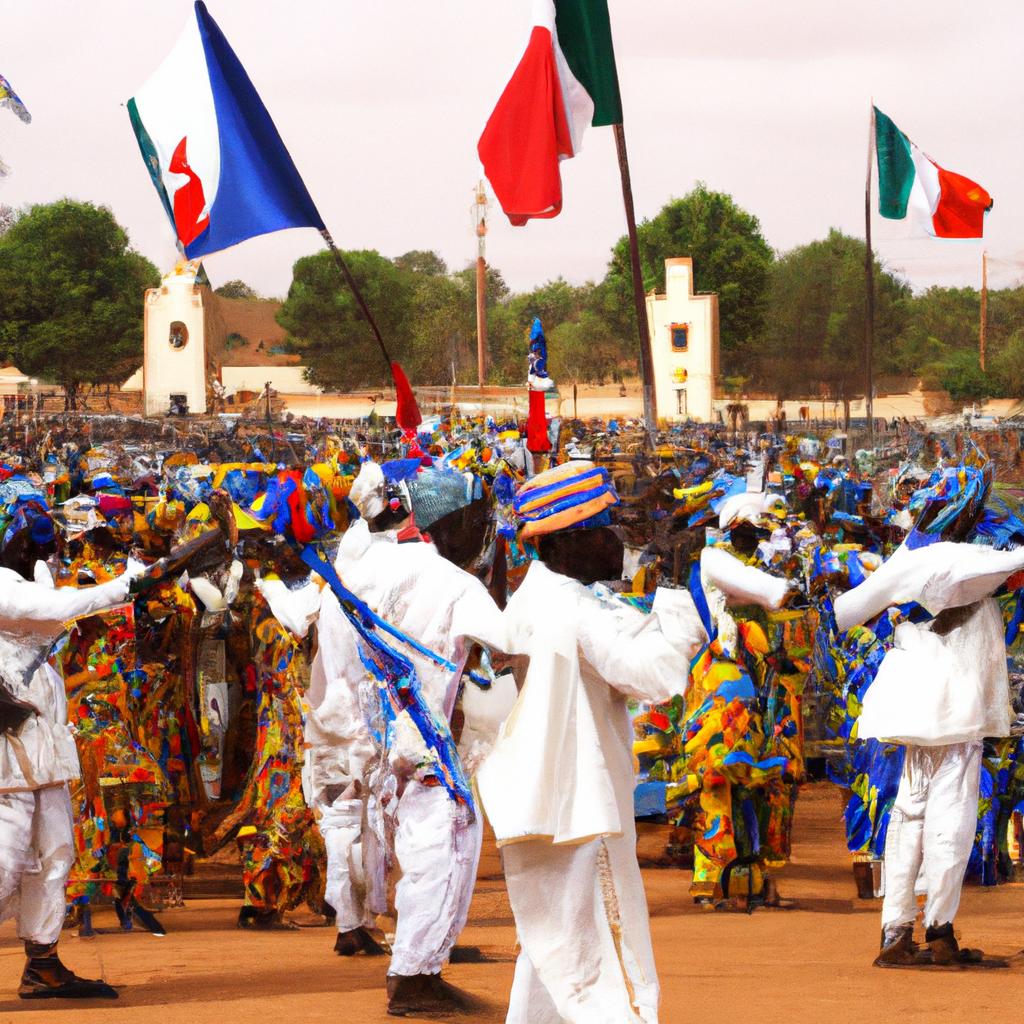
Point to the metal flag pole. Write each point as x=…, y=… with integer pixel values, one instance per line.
x=869, y=280
x=639, y=298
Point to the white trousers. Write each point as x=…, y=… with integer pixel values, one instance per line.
x=438, y=849
x=933, y=823
x=37, y=852
x=581, y=916
x=341, y=824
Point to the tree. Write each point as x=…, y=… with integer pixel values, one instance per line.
x=939, y=322
x=8, y=215
x=237, y=290
x=730, y=257
x=585, y=351
x=443, y=329
x=326, y=327
x=422, y=261
x=71, y=292
x=1008, y=366
x=813, y=337
x=962, y=376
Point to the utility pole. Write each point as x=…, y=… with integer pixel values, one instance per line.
x=480, y=207
x=983, y=328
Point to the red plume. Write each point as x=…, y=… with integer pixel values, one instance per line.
x=407, y=412
x=537, y=439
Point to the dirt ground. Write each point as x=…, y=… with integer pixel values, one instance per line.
x=804, y=966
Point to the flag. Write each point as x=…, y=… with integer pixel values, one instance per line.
x=565, y=81
x=944, y=203
x=217, y=161
x=10, y=99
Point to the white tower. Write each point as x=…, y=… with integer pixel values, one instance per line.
x=684, y=345
x=175, y=366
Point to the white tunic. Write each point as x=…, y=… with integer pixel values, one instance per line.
x=934, y=690
x=552, y=772
x=32, y=617
x=418, y=591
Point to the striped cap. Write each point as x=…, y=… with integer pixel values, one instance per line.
x=563, y=497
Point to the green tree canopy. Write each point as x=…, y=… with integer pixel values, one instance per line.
x=237, y=290
x=71, y=292
x=814, y=332
x=961, y=375
x=422, y=261
x=730, y=257
x=327, y=328
x=1008, y=366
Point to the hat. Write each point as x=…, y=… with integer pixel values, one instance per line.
x=563, y=497
x=435, y=493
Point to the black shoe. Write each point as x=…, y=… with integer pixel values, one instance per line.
x=148, y=920
x=945, y=951
x=898, y=948
x=427, y=995
x=358, y=942
x=45, y=977
x=468, y=955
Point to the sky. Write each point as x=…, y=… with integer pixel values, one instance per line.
x=381, y=105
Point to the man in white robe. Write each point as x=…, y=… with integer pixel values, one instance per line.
x=37, y=760
x=558, y=790
x=939, y=692
x=414, y=588
x=437, y=840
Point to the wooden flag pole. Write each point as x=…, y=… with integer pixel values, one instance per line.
x=983, y=326
x=357, y=294
x=639, y=299
x=869, y=276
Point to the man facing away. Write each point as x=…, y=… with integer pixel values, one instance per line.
x=558, y=786
x=940, y=690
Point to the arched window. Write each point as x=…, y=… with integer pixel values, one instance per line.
x=177, y=337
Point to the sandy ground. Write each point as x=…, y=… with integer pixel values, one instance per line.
x=804, y=966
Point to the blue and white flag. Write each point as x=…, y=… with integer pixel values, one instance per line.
x=212, y=150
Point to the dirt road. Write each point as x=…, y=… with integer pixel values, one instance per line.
x=803, y=966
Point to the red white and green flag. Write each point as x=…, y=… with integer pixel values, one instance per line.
x=911, y=184
x=565, y=81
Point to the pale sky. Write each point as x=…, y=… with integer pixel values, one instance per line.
x=381, y=105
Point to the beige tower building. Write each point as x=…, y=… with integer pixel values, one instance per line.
x=194, y=337
x=177, y=367
x=684, y=343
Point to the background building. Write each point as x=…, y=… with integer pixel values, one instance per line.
x=194, y=337
x=684, y=343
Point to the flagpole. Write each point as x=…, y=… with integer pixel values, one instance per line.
x=869, y=275
x=983, y=326
x=639, y=298
x=357, y=294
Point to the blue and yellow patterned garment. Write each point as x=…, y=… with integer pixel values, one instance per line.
x=844, y=669
x=726, y=759
x=1002, y=767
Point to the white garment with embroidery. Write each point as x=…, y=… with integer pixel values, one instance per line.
x=558, y=790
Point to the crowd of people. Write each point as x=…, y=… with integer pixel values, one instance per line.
x=341, y=649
